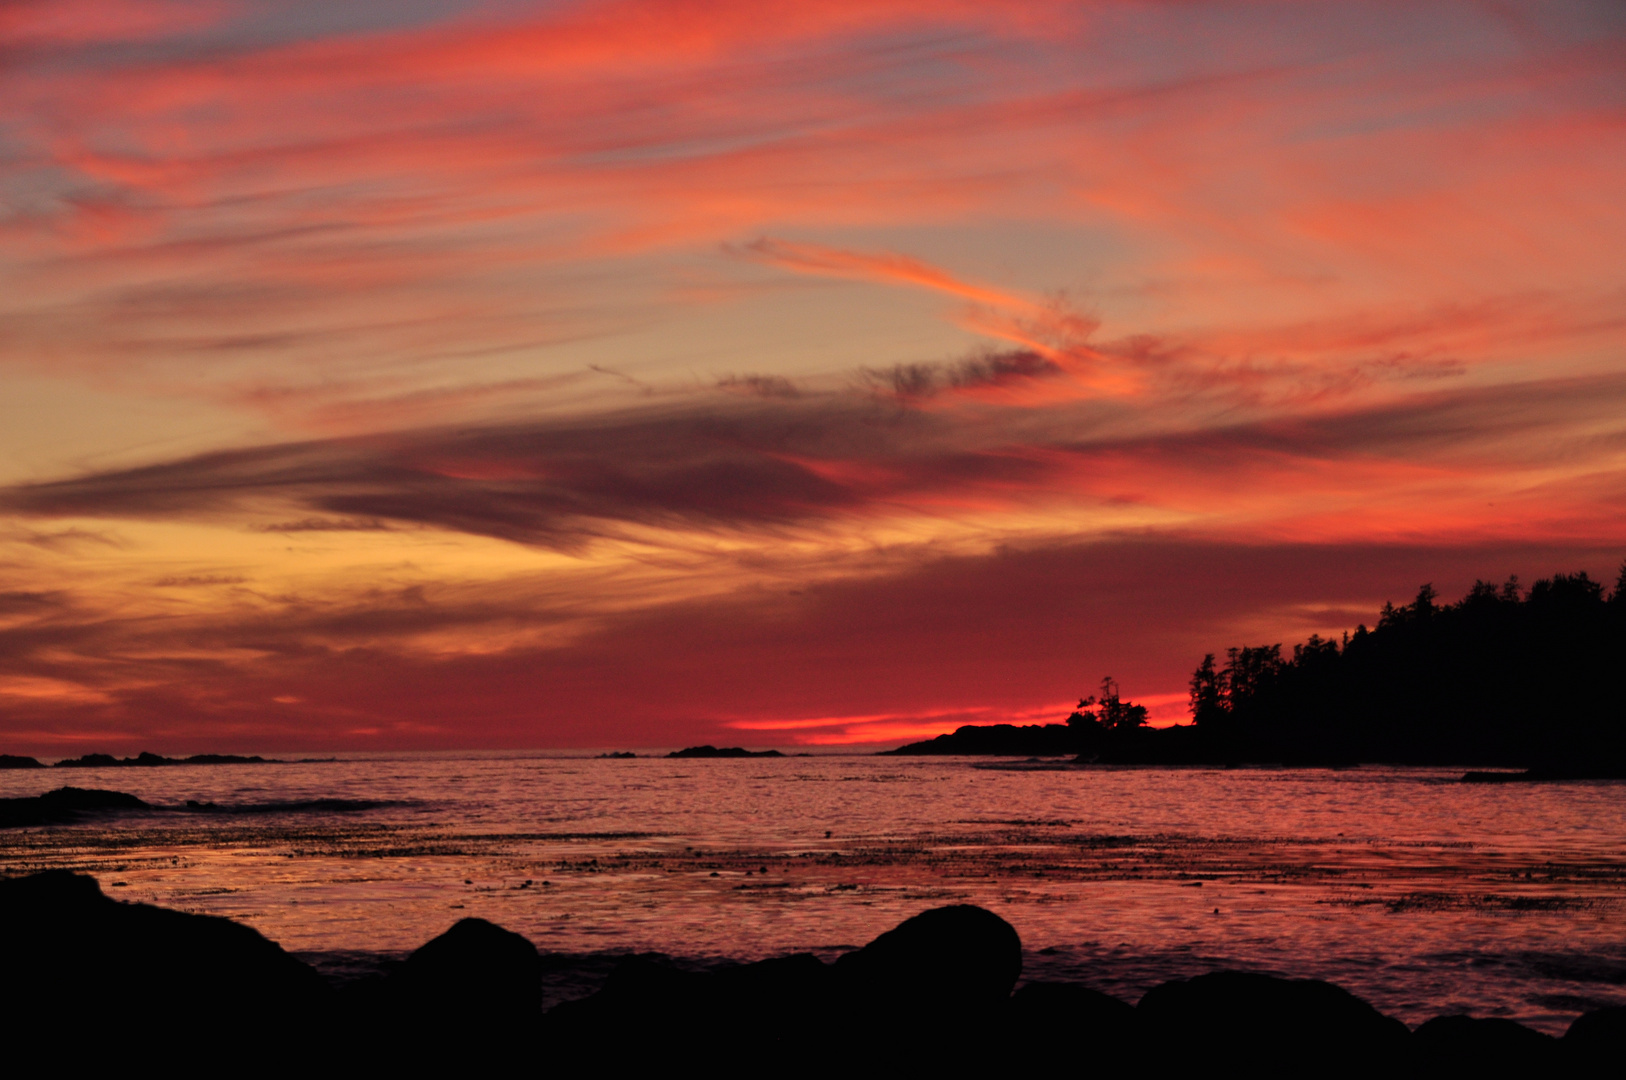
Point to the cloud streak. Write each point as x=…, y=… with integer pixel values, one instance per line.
x=758, y=464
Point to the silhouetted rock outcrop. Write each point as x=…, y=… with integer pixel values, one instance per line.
x=709, y=751
x=93, y=976
x=88, y=974
x=64, y=806
x=476, y=969
x=14, y=761
x=1054, y=1022
x=648, y=1005
x=1455, y=1044
x=1597, y=1040
x=1241, y=1018
x=1030, y=740
x=940, y=963
x=934, y=986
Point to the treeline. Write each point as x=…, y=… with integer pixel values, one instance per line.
x=1504, y=676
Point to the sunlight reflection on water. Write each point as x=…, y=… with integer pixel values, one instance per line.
x=1419, y=893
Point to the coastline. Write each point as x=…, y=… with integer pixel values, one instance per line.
x=1427, y=893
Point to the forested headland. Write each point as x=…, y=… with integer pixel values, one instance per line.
x=1531, y=678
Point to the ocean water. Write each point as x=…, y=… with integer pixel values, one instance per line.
x=1419, y=893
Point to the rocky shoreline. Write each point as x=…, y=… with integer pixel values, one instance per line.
x=936, y=991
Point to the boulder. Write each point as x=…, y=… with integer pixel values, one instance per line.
x=1597, y=1039
x=1054, y=1020
x=940, y=963
x=649, y=1005
x=1242, y=1019
x=98, y=972
x=1068, y=1011
x=476, y=969
x=929, y=991
x=1462, y=1042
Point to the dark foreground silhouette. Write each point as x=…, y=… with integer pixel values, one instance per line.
x=93, y=978
x=1504, y=677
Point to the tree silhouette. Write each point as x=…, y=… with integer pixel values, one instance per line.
x=1503, y=676
x=1207, y=693
x=1108, y=711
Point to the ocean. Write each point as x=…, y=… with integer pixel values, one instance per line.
x=1421, y=894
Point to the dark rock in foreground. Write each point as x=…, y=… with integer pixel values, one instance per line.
x=709, y=751
x=64, y=806
x=950, y=960
x=1244, y=1018
x=931, y=989
x=476, y=968
x=14, y=761
x=1055, y=1020
x=1454, y=1043
x=474, y=992
x=92, y=977
x=90, y=973
x=1597, y=1040
x=1066, y=1010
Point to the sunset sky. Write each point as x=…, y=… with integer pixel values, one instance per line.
x=412, y=373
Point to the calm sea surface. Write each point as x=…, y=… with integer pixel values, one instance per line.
x=1421, y=894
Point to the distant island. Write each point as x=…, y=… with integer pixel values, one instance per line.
x=1505, y=677
x=710, y=751
x=142, y=760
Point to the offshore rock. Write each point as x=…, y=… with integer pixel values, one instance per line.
x=17, y=761
x=1242, y=1019
x=1453, y=1043
x=147, y=759
x=64, y=806
x=709, y=751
